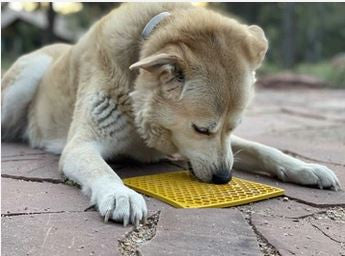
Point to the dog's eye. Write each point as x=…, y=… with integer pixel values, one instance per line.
x=180, y=77
x=201, y=130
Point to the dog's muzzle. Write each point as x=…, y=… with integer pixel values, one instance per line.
x=222, y=177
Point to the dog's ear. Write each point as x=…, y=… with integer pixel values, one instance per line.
x=167, y=69
x=163, y=65
x=257, y=45
x=153, y=62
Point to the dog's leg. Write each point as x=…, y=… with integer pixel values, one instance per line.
x=82, y=162
x=255, y=157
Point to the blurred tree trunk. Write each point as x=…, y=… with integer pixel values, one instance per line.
x=314, y=34
x=288, y=27
x=50, y=16
x=321, y=8
x=4, y=5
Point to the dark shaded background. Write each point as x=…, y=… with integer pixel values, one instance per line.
x=305, y=38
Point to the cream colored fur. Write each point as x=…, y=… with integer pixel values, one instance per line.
x=183, y=90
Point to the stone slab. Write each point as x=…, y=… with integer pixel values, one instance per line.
x=202, y=232
x=295, y=238
x=60, y=234
x=20, y=196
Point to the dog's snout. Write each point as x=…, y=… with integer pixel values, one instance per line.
x=222, y=176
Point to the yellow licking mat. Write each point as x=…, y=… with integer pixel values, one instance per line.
x=182, y=190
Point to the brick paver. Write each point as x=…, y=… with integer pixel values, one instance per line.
x=17, y=151
x=326, y=103
x=81, y=234
x=274, y=122
x=202, y=232
x=41, y=167
x=37, y=197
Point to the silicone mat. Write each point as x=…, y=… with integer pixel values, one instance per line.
x=182, y=190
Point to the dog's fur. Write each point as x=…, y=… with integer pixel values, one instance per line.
x=183, y=90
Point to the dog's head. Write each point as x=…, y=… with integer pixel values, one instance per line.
x=196, y=78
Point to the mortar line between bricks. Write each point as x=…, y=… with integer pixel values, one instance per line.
x=36, y=213
x=250, y=113
x=42, y=166
x=310, y=128
x=310, y=158
x=27, y=154
x=33, y=179
x=303, y=216
x=335, y=240
x=18, y=160
x=299, y=217
x=258, y=234
x=314, y=205
x=292, y=112
x=37, y=168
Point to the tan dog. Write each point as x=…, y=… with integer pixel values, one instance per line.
x=179, y=87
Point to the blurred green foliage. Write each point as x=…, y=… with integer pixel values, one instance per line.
x=317, y=30
x=333, y=76
x=90, y=13
x=303, y=37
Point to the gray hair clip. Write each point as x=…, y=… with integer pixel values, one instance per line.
x=150, y=26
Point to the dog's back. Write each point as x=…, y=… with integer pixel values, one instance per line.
x=19, y=86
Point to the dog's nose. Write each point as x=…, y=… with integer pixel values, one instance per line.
x=222, y=177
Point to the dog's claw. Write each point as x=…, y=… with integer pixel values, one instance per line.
x=89, y=207
x=125, y=222
x=118, y=203
x=337, y=187
x=107, y=215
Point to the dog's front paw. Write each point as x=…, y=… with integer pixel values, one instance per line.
x=309, y=174
x=120, y=203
